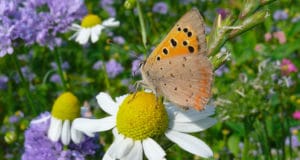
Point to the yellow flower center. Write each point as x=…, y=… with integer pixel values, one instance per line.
x=90, y=20
x=141, y=116
x=66, y=107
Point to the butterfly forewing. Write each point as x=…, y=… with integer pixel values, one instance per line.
x=187, y=36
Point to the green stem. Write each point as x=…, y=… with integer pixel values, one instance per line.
x=290, y=139
x=283, y=134
x=246, y=141
x=106, y=79
x=267, y=147
x=60, y=71
x=142, y=23
x=24, y=83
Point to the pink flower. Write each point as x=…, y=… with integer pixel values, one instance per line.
x=287, y=67
x=280, y=36
x=258, y=48
x=296, y=115
x=268, y=37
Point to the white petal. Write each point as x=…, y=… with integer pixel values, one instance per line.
x=190, y=143
x=75, y=27
x=114, y=146
x=136, y=152
x=107, y=156
x=54, y=130
x=66, y=132
x=74, y=36
x=107, y=103
x=111, y=23
x=44, y=119
x=94, y=125
x=119, y=100
x=190, y=115
x=83, y=36
x=76, y=135
x=95, y=33
x=123, y=148
x=153, y=150
x=115, y=132
x=192, y=126
x=89, y=134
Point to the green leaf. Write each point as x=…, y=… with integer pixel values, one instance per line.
x=236, y=127
x=233, y=144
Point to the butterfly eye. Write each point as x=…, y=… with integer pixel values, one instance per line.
x=142, y=63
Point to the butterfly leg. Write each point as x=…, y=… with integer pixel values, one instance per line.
x=137, y=84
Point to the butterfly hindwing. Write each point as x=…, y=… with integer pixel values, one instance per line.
x=185, y=80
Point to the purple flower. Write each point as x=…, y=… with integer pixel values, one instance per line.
x=135, y=66
x=55, y=78
x=221, y=70
x=113, y=68
x=3, y=81
x=28, y=74
x=16, y=117
x=65, y=65
x=98, y=65
x=107, y=5
x=280, y=15
x=160, y=7
x=111, y=11
x=119, y=40
x=222, y=12
x=39, y=147
x=295, y=142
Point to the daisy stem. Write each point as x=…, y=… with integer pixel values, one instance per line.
x=245, y=153
x=106, y=80
x=60, y=71
x=142, y=23
x=24, y=83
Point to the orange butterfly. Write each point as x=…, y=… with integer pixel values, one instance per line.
x=179, y=68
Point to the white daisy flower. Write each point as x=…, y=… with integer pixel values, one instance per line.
x=136, y=119
x=65, y=109
x=91, y=28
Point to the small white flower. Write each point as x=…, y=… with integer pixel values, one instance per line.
x=65, y=109
x=91, y=28
x=133, y=117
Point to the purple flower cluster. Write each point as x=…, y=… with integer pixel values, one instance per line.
x=36, y=21
x=135, y=66
x=221, y=70
x=3, y=81
x=98, y=65
x=113, y=68
x=160, y=7
x=280, y=15
x=119, y=40
x=39, y=147
x=107, y=5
